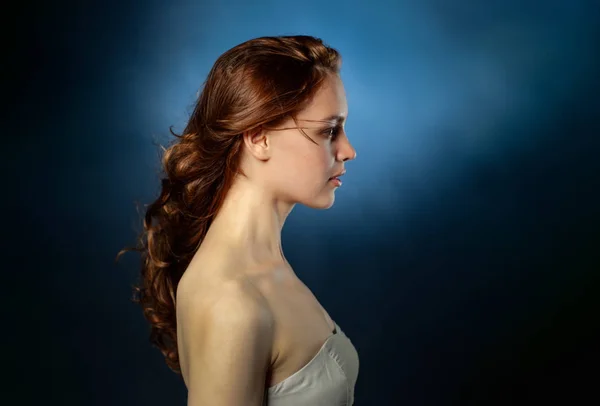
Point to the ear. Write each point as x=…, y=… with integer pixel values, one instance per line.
x=258, y=143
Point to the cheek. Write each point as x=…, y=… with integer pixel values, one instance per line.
x=315, y=163
x=307, y=166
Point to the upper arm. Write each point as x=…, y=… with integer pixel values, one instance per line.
x=229, y=356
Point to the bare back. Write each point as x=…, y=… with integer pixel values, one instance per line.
x=301, y=324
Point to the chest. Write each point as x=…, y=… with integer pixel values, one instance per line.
x=302, y=326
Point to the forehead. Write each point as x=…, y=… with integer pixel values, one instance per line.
x=330, y=100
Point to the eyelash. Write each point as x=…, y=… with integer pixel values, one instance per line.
x=332, y=132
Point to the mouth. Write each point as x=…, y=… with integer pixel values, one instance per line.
x=337, y=176
x=335, y=180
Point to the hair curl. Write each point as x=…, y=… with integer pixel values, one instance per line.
x=255, y=84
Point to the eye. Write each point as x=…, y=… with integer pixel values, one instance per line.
x=332, y=132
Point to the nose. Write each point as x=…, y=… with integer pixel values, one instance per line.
x=346, y=151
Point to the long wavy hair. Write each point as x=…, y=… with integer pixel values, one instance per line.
x=256, y=84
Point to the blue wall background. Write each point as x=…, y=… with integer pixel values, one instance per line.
x=461, y=255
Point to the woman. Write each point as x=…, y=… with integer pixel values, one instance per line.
x=225, y=307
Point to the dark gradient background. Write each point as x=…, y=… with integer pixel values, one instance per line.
x=461, y=256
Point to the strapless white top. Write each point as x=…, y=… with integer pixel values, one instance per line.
x=328, y=379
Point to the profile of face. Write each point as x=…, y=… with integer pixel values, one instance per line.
x=294, y=169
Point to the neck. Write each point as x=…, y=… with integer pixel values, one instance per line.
x=250, y=222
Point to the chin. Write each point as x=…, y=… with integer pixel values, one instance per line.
x=321, y=202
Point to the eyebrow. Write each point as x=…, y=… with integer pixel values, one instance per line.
x=335, y=117
x=338, y=118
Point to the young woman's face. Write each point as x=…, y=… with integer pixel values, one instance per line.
x=300, y=170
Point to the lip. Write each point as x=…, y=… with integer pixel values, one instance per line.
x=336, y=181
x=338, y=174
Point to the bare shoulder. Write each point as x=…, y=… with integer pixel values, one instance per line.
x=227, y=343
x=226, y=297
x=239, y=302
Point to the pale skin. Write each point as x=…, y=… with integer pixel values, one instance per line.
x=245, y=320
